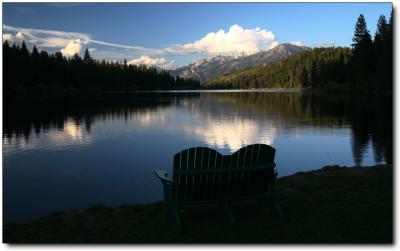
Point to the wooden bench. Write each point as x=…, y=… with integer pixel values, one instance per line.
x=202, y=175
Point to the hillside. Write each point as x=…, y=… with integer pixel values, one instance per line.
x=309, y=68
x=208, y=68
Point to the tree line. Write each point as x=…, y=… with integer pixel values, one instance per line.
x=367, y=65
x=303, y=69
x=24, y=69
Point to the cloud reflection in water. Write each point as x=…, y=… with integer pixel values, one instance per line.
x=69, y=136
x=232, y=134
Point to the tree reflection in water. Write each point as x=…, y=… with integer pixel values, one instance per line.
x=225, y=119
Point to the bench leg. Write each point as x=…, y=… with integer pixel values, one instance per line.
x=276, y=208
x=228, y=210
x=166, y=208
x=175, y=214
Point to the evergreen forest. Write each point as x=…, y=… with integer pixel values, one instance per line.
x=26, y=70
x=366, y=66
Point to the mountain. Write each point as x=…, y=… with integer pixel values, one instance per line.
x=208, y=68
x=310, y=68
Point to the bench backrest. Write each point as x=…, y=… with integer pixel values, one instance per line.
x=203, y=174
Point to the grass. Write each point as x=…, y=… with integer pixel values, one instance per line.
x=330, y=205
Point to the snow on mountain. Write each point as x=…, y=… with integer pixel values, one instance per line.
x=210, y=67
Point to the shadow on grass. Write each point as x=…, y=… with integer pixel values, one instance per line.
x=331, y=205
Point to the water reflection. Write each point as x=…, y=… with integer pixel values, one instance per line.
x=231, y=134
x=68, y=135
x=78, y=153
x=222, y=120
x=148, y=117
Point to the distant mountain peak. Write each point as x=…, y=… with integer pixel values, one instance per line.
x=216, y=65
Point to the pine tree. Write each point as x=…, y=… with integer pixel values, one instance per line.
x=360, y=30
x=24, y=50
x=382, y=27
x=6, y=44
x=387, y=67
x=76, y=58
x=389, y=37
x=59, y=56
x=35, y=52
x=364, y=56
x=87, y=59
x=304, y=78
x=390, y=24
x=381, y=34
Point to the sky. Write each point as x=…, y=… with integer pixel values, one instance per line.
x=170, y=35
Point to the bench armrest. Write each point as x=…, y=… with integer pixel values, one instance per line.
x=162, y=175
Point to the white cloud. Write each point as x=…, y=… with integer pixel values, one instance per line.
x=146, y=60
x=8, y=36
x=55, y=42
x=236, y=40
x=19, y=37
x=72, y=47
x=60, y=39
x=137, y=48
x=46, y=38
x=298, y=43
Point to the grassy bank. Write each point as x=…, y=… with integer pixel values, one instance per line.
x=331, y=205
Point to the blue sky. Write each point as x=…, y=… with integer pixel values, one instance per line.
x=173, y=34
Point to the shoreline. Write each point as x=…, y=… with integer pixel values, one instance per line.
x=53, y=94
x=338, y=204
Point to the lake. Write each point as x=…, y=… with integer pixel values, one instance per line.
x=79, y=153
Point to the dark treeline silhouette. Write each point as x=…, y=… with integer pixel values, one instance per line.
x=25, y=71
x=372, y=61
x=367, y=66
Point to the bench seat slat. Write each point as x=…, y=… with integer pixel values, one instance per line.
x=225, y=170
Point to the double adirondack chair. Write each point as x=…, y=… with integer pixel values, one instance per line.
x=202, y=175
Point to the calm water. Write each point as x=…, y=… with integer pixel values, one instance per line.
x=79, y=153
